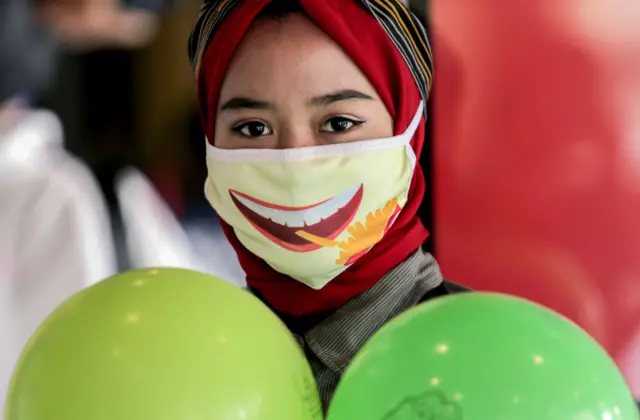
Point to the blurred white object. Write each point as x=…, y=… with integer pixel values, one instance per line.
x=215, y=254
x=55, y=234
x=155, y=238
x=153, y=235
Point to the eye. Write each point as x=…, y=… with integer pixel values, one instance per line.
x=340, y=124
x=253, y=129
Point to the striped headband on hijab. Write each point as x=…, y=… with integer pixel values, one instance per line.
x=389, y=45
x=403, y=27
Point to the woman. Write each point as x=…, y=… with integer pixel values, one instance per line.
x=314, y=115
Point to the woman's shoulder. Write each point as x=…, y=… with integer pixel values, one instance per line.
x=452, y=287
x=445, y=288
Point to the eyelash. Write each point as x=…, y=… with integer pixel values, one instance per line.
x=354, y=122
x=242, y=127
x=238, y=128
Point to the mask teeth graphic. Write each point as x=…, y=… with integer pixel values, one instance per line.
x=303, y=216
x=280, y=224
x=361, y=237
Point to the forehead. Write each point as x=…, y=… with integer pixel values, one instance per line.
x=290, y=55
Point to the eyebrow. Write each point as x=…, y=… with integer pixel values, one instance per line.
x=322, y=100
x=340, y=95
x=245, y=103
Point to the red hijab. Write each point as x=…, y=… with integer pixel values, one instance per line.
x=358, y=32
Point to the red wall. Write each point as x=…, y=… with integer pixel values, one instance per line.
x=536, y=113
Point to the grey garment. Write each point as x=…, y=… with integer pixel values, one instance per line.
x=27, y=52
x=330, y=345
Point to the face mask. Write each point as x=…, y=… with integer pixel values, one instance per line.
x=311, y=212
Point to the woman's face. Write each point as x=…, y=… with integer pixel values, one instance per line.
x=290, y=85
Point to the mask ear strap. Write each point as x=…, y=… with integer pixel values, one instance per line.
x=415, y=122
x=409, y=133
x=411, y=156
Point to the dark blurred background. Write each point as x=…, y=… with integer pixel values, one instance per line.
x=136, y=107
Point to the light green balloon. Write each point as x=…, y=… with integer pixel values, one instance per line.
x=163, y=344
x=482, y=356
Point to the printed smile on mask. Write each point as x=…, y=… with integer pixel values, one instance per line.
x=326, y=219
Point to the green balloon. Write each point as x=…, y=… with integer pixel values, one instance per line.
x=482, y=356
x=163, y=344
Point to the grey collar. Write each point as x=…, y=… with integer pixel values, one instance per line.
x=337, y=338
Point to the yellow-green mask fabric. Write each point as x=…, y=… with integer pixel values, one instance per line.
x=311, y=212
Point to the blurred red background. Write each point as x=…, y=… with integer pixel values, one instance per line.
x=536, y=118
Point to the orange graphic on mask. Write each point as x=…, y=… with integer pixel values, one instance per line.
x=309, y=228
x=363, y=237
